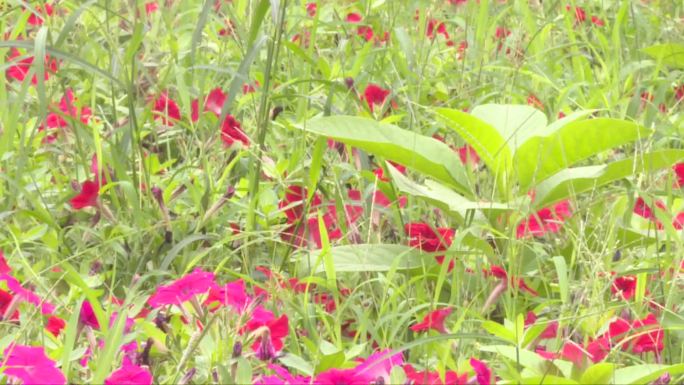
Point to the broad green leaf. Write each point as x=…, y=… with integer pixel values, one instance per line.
x=421, y=153
x=293, y=361
x=670, y=54
x=244, y=371
x=441, y=196
x=368, y=257
x=327, y=361
x=643, y=374
x=487, y=141
x=600, y=373
x=542, y=156
x=543, y=380
x=500, y=331
x=581, y=179
x=526, y=358
x=515, y=123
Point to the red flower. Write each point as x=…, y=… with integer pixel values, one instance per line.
x=213, y=103
x=545, y=220
x=434, y=320
x=432, y=377
x=380, y=199
x=38, y=19
x=375, y=95
x=87, y=315
x=468, y=155
x=151, y=7
x=231, y=294
x=66, y=107
x=354, y=17
x=231, y=132
x=439, y=26
x=679, y=172
x=550, y=332
x=7, y=301
x=679, y=93
x=482, y=372
x=129, y=374
x=55, y=325
x=580, y=14
x=650, y=337
x=166, y=110
x=379, y=171
x=424, y=237
x=183, y=289
x=272, y=332
x=19, y=70
x=624, y=286
x=597, y=21
x=311, y=9
x=462, y=46
x=533, y=101
x=519, y=283
x=249, y=88
x=293, y=203
x=30, y=365
x=87, y=197
x=27, y=295
x=366, y=32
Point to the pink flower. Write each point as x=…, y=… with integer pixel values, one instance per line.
x=353, y=17
x=20, y=70
x=30, y=365
x=231, y=132
x=437, y=25
x=518, y=283
x=679, y=173
x=545, y=220
x=87, y=315
x=27, y=295
x=468, y=155
x=311, y=9
x=482, y=373
x=366, y=32
x=231, y=294
x=550, y=332
x=425, y=238
x=4, y=267
x=195, y=283
x=151, y=7
x=166, y=110
x=534, y=101
x=272, y=331
x=597, y=21
x=432, y=377
x=129, y=375
x=55, y=325
x=38, y=19
x=580, y=14
x=375, y=95
x=213, y=103
x=624, y=287
x=434, y=320
x=90, y=191
x=6, y=301
x=379, y=365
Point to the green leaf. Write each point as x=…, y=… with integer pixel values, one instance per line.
x=368, y=257
x=294, y=361
x=559, y=147
x=244, y=372
x=562, y=272
x=670, y=54
x=515, y=123
x=500, y=331
x=328, y=361
x=581, y=179
x=441, y=196
x=487, y=141
x=421, y=153
x=643, y=374
x=526, y=358
x=600, y=373
x=545, y=380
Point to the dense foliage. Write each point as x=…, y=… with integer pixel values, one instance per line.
x=342, y=192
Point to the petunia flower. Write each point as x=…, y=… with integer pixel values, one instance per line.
x=87, y=315
x=270, y=331
x=533, y=100
x=193, y=284
x=353, y=17
x=580, y=14
x=27, y=295
x=4, y=267
x=550, y=332
x=545, y=220
x=90, y=191
x=483, y=374
x=311, y=9
x=30, y=365
x=518, y=283
x=231, y=294
x=129, y=375
x=425, y=238
x=213, y=103
x=39, y=18
x=55, y=325
x=151, y=7
x=166, y=109
x=434, y=320
x=378, y=365
x=375, y=95
x=679, y=173
x=427, y=377
x=231, y=132
x=7, y=303
x=468, y=155
x=597, y=21
x=438, y=26
x=624, y=287
x=20, y=68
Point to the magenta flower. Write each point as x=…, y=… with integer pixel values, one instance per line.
x=87, y=315
x=482, y=373
x=231, y=294
x=183, y=289
x=129, y=375
x=30, y=365
x=273, y=331
x=27, y=295
x=433, y=320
